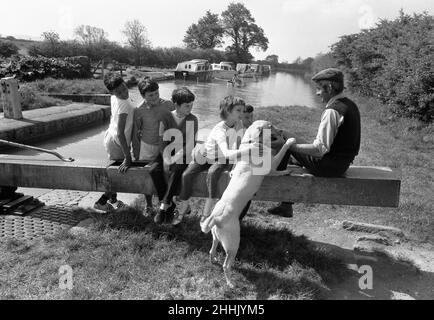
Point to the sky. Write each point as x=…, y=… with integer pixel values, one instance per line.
x=295, y=28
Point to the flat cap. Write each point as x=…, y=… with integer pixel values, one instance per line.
x=330, y=74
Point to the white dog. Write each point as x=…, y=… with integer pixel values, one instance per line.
x=246, y=179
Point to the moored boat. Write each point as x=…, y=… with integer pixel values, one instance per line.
x=197, y=70
x=252, y=70
x=223, y=70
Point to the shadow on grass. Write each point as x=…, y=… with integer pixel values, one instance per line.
x=278, y=264
x=272, y=259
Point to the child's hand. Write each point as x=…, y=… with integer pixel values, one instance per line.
x=290, y=142
x=125, y=165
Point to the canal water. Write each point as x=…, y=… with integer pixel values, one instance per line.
x=279, y=89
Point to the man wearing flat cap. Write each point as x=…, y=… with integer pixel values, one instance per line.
x=338, y=140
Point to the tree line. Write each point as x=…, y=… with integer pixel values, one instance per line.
x=392, y=62
x=204, y=39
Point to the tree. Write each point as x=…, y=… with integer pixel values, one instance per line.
x=137, y=38
x=273, y=59
x=94, y=41
x=206, y=34
x=393, y=62
x=51, y=38
x=89, y=35
x=244, y=33
x=8, y=48
x=299, y=60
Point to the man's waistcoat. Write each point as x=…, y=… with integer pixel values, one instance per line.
x=347, y=140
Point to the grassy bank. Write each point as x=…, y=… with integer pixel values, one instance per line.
x=50, y=85
x=126, y=256
x=32, y=93
x=386, y=141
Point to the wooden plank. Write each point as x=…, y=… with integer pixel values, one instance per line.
x=362, y=186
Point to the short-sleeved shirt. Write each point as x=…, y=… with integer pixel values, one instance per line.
x=221, y=133
x=118, y=107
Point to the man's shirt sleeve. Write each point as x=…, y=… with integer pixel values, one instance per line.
x=328, y=128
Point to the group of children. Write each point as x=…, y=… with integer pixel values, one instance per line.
x=142, y=129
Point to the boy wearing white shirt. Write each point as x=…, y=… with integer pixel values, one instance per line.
x=117, y=138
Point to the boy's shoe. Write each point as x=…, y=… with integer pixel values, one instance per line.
x=106, y=207
x=117, y=205
x=178, y=216
x=149, y=212
x=160, y=217
x=170, y=213
x=284, y=209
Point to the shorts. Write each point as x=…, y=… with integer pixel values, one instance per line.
x=148, y=152
x=114, y=150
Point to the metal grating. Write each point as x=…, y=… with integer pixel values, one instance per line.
x=56, y=215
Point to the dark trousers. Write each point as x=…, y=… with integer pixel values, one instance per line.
x=214, y=172
x=156, y=171
x=327, y=166
x=174, y=181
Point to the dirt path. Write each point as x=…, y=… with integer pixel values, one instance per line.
x=404, y=270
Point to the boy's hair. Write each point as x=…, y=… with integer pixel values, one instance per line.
x=228, y=104
x=112, y=81
x=182, y=95
x=248, y=108
x=147, y=85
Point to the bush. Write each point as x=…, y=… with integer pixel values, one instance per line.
x=50, y=85
x=34, y=100
x=393, y=62
x=32, y=68
x=8, y=48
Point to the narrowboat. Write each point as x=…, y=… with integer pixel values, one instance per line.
x=223, y=70
x=197, y=70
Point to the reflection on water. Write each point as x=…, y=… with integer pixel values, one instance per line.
x=279, y=89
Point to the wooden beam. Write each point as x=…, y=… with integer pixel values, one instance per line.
x=361, y=186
